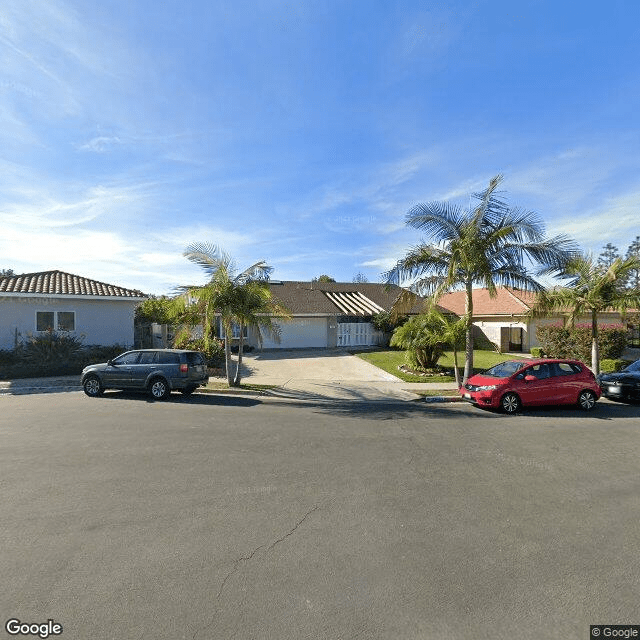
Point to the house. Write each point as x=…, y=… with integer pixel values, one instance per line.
x=329, y=314
x=503, y=319
x=97, y=312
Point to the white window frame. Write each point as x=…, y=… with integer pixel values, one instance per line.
x=56, y=322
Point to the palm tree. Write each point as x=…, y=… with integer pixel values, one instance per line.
x=591, y=290
x=243, y=298
x=486, y=246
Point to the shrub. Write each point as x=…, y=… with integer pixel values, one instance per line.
x=537, y=352
x=420, y=336
x=214, y=354
x=561, y=342
x=49, y=348
x=610, y=365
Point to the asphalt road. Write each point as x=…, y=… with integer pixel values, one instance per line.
x=227, y=517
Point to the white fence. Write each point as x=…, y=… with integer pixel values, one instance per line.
x=358, y=334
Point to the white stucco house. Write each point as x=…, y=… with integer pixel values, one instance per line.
x=329, y=314
x=99, y=313
x=503, y=319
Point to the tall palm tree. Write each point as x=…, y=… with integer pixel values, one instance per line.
x=240, y=298
x=486, y=246
x=591, y=290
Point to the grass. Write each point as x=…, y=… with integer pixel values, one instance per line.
x=389, y=360
x=430, y=393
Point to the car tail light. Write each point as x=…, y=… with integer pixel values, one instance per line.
x=184, y=368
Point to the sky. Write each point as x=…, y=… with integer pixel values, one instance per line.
x=301, y=132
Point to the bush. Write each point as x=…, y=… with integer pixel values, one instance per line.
x=421, y=338
x=537, y=352
x=561, y=342
x=214, y=354
x=52, y=354
x=611, y=366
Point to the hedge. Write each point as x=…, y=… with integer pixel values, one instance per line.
x=561, y=342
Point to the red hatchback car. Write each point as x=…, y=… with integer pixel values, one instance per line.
x=516, y=383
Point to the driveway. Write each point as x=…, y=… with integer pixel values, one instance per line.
x=322, y=373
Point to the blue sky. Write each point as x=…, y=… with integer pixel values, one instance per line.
x=302, y=132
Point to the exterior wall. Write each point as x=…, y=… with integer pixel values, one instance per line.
x=104, y=322
x=492, y=329
x=299, y=333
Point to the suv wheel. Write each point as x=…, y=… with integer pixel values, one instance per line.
x=92, y=386
x=510, y=403
x=587, y=400
x=159, y=389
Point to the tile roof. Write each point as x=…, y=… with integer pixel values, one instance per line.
x=336, y=298
x=506, y=302
x=61, y=283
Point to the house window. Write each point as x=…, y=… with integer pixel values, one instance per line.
x=55, y=320
x=45, y=320
x=235, y=331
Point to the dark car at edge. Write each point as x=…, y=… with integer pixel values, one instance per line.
x=623, y=385
x=155, y=371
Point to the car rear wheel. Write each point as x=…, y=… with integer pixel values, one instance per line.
x=92, y=386
x=159, y=389
x=510, y=403
x=187, y=391
x=587, y=400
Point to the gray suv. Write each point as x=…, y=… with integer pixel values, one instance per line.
x=157, y=371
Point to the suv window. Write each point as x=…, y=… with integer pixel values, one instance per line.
x=127, y=358
x=166, y=357
x=193, y=357
x=148, y=357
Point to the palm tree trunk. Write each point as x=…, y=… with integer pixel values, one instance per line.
x=456, y=371
x=227, y=352
x=595, y=354
x=468, y=363
x=238, y=377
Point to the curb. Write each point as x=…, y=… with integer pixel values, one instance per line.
x=443, y=399
x=23, y=391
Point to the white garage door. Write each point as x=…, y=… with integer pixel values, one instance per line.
x=300, y=333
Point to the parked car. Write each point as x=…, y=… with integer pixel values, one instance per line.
x=156, y=371
x=513, y=384
x=623, y=385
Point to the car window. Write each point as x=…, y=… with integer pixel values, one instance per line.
x=565, y=369
x=193, y=357
x=127, y=358
x=167, y=357
x=633, y=367
x=148, y=357
x=540, y=371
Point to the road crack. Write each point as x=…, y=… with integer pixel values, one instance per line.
x=242, y=560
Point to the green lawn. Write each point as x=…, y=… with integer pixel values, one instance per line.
x=389, y=360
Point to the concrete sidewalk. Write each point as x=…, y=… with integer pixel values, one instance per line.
x=301, y=374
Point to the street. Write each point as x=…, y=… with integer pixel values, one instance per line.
x=219, y=517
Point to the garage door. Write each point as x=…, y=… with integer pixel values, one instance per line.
x=299, y=334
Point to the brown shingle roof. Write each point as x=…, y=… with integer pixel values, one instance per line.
x=335, y=298
x=507, y=302
x=61, y=283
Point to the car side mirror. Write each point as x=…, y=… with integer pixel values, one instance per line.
x=530, y=379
